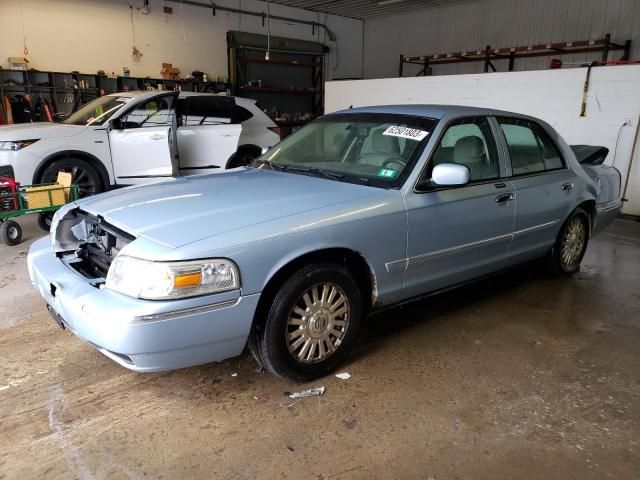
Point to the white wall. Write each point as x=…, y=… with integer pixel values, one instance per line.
x=552, y=95
x=499, y=23
x=91, y=35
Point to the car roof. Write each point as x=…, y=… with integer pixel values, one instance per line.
x=149, y=93
x=429, y=111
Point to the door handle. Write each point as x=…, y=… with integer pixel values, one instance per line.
x=568, y=186
x=157, y=136
x=500, y=185
x=505, y=197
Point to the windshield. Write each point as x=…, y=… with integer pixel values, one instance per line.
x=98, y=111
x=372, y=148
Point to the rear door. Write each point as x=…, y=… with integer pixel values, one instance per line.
x=207, y=138
x=145, y=147
x=545, y=187
x=462, y=232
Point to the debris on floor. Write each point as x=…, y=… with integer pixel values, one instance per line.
x=343, y=376
x=312, y=392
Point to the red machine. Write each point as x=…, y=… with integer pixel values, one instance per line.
x=8, y=194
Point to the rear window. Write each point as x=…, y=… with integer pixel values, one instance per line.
x=207, y=111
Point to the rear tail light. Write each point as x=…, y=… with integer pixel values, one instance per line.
x=277, y=130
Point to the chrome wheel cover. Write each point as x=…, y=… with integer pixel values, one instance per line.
x=573, y=242
x=317, y=323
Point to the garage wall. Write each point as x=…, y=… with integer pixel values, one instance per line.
x=499, y=23
x=552, y=95
x=89, y=35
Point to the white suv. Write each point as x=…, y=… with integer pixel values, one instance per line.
x=133, y=137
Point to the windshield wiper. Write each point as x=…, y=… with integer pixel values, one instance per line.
x=274, y=166
x=331, y=175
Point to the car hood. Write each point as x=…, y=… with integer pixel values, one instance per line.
x=189, y=209
x=30, y=131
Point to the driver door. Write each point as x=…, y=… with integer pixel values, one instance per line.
x=143, y=142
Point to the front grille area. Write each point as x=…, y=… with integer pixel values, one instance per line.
x=96, y=244
x=6, y=171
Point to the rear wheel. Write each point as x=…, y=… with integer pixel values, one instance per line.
x=311, y=323
x=11, y=232
x=84, y=175
x=243, y=157
x=567, y=253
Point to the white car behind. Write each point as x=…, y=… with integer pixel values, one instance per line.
x=134, y=137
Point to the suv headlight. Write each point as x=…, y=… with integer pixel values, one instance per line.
x=16, y=144
x=169, y=280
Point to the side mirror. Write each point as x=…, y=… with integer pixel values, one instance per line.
x=116, y=124
x=450, y=174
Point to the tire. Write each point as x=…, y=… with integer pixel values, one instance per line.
x=11, y=232
x=44, y=221
x=302, y=347
x=84, y=175
x=242, y=158
x=566, y=255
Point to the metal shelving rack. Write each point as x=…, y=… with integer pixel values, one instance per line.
x=488, y=54
x=290, y=82
x=68, y=91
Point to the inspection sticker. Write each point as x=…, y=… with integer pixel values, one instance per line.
x=406, y=132
x=387, y=173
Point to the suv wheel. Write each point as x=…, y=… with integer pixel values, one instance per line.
x=83, y=174
x=311, y=323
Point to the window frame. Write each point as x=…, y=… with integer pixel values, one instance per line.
x=535, y=128
x=472, y=183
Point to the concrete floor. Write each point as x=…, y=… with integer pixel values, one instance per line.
x=522, y=376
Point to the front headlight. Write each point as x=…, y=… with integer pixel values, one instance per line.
x=16, y=145
x=169, y=280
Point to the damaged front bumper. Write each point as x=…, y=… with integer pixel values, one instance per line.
x=142, y=335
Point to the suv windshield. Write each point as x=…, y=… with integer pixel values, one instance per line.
x=372, y=148
x=98, y=111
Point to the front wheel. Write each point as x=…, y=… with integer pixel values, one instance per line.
x=566, y=255
x=311, y=323
x=83, y=174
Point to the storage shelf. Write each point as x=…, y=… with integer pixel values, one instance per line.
x=488, y=54
x=292, y=63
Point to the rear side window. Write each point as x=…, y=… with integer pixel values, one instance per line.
x=207, y=111
x=530, y=147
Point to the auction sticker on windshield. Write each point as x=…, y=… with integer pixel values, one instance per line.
x=406, y=132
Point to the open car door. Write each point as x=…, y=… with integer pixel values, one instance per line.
x=143, y=142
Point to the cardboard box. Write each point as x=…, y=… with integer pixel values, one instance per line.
x=18, y=63
x=169, y=72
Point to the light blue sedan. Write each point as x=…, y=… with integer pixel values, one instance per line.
x=360, y=210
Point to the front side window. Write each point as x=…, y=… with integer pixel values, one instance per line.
x=530, y=147
x=98, y=111
x=371, y=148
x=469, y=142
x=157, y=112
